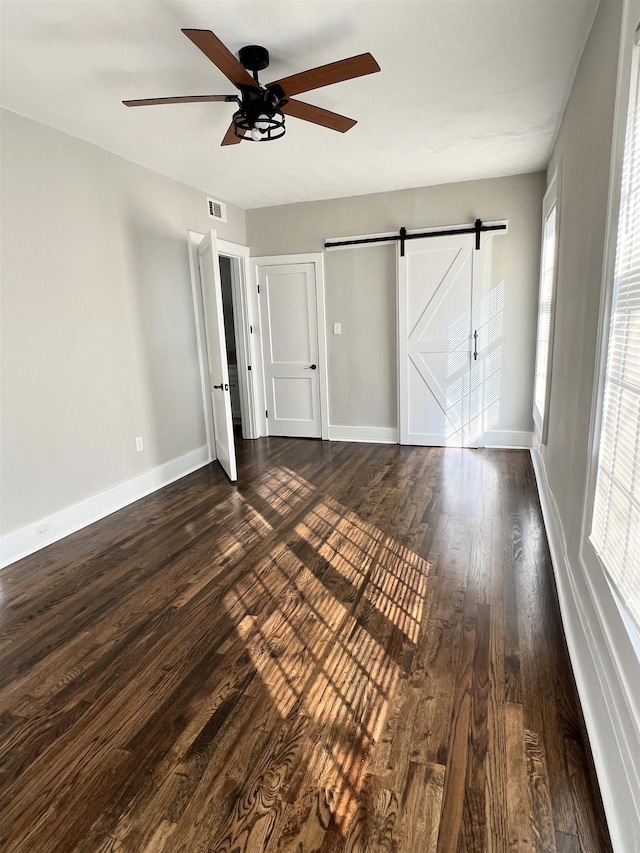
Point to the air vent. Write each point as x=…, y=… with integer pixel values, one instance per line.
x=217, y=209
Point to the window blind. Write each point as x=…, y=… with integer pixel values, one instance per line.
x=616, y=518
x=544, y=310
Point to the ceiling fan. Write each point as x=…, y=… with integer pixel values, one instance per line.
x=261, y=112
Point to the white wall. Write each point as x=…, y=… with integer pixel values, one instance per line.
x=98, y=333
x=361, y=285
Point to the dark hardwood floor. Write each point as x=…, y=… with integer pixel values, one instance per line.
x=358, y=648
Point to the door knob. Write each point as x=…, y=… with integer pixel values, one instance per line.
x=217, y=386
x=311, y=367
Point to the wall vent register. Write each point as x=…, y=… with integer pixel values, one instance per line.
x=217, y=210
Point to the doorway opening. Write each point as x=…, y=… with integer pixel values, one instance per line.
x=223, y=307
x=230, y=269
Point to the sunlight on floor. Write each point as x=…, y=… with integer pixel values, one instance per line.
x=329, y=645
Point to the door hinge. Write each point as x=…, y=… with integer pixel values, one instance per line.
x=248, y=367
x=266, y=413
x=258, y=288
x=250, y=330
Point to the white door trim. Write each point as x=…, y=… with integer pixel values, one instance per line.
x=317, y=259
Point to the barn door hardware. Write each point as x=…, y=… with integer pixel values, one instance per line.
x=477, y=228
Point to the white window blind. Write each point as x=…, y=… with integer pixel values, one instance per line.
x=615, y=530
x=547, y=276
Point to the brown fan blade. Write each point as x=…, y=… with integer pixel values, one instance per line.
x=230, y=138
x=307, y=112
x=221, y=56
x=325, y=75
x=184, y=99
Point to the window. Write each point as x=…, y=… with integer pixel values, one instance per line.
x=548, y=265
x=615, y=532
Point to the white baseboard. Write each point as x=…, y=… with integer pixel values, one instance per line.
x=26, y=540
x=497, y=439
x=374, y=435
x=604, y=690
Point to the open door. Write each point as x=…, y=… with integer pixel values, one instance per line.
x=217, y=355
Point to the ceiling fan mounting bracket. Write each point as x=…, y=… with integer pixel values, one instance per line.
x=254, y=57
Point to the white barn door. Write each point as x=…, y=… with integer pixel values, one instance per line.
x=437, y=349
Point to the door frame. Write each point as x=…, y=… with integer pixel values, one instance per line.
x=242, y=323
x=317, y=259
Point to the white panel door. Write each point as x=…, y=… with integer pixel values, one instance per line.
x=217, y=354
x=436, y=343
x=289, y=328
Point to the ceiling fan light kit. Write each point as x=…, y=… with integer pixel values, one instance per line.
x=263, y=108
x=263, y=128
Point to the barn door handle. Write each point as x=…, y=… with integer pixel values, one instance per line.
x=311, y=367
x=475, y=345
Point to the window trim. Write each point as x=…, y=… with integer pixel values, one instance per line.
x=551, y=199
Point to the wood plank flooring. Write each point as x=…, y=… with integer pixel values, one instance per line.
x=357, y=648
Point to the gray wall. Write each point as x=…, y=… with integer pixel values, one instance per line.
x=361, y=284
x=583, y=154
x=98, y=334
x=606, y=664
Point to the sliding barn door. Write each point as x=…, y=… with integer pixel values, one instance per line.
x=437, y=390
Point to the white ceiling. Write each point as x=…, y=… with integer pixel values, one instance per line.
x=467, y=89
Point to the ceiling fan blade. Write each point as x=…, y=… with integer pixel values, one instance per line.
x=222, y=57
x=184, y=99
x=325, y=75
x=307, y=112
x=230, y=138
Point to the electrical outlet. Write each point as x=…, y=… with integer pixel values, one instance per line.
x=337, y=328
x=139, y=443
